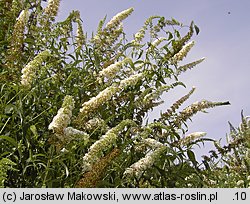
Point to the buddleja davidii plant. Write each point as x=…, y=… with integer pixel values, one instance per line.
x=9, y=12
x=20, y=17
x=160, y=58
x=107, y=42
x=33, y=102
x=15, y=47
x=110, y=73
x=35, y=31
x=5, y=166
x=166, y=131
x=172, y=162
x=115, y=88
x=230, y=162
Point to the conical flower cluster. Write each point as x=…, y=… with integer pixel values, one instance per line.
x=185, y=67
x=112, y=69
x=118, y=18
x=182, y=53
x=138, y=168
x=29, y=71
x=191, y=137
x=108, y=93
x=96, y=150
x=191, y=110
x=72, y=133
x=18, y=32
x=177, y=104
x=63, y=117
x=100, y=99
x=131, y=81
x=80, y=37
x=52, y=8
x=104, y=143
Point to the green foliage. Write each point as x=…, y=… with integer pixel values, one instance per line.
x=5, y=166
x=73, y=110
x=234, y=158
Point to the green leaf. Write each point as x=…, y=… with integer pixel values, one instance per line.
x=170, y=36
x=192, y=158
x=9, y=139
x=197, y=30
x=175, y=21
x=177, y=33
x=34, y=130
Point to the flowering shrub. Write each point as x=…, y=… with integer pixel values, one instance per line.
x=73, y=109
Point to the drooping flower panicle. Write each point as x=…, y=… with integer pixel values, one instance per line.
x=96, y=150
x=191, y=138
x=139, y=167
x=112, y=69
x=177, y=104
x=131, y=81
x=191, y=110
x=100, y=99
x=72, y=133
x=49, y=13
x=63, y=117
x=17, y=39
x=118, y=18
x=52, y=8
x=185, y=67
x=182, y=53
x=108, y=93
x=29, y=71
x=104, y=143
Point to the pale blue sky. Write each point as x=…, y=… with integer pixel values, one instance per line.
x=224, y=40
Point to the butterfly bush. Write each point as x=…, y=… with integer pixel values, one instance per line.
x=131, y=81
x=139, y=167
x=80, y=37
x=115, y=82
x=52, y=8
x=191, y=138
x=111, y=70
x=185, y=67
x=182, y=53
x=117, y=19
x=29, y=71
x=96, y=150
x=63, y=117
x=18, y=34
x=100, y=99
